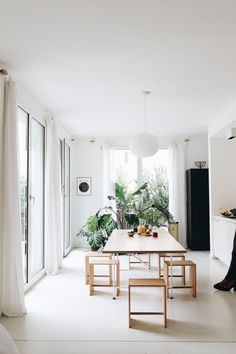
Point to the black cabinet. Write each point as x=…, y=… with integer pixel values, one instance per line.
x=198, y=209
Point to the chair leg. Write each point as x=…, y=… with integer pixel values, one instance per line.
x=166, y=278
x=183, y=272
x=164, y=300
x=86, y=270
x=193, y=280
x=129, y=306
x=118, y=279
x=110, y=274
x=159, y=266
x=91, y=278
x=149, y=261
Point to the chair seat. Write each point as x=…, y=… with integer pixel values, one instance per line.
x=180, y=263
x=146, y=282
x=103, y=261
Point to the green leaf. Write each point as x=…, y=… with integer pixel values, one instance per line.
x=141, y=189
x=96, y=240
x=120, y=195
x=132, y=219
x=92, y=224
x=104, y=220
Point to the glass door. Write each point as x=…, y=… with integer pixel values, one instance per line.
x=32, y=174
x=36, y=198
x=23, y=119
x=65, y=155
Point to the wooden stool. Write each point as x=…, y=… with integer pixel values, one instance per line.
x=159, y=283
x=148, y=262
x=95, y=262
x=192, y=276
x=174, y=255
x=100, y=256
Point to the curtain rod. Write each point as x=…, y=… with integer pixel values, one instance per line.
x=3, y=72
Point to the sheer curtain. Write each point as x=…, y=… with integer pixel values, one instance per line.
x=11, y=270
x=54, y=225
x=108, y=175
x=177, y=186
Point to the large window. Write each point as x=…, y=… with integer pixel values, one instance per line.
x=155, y=165
x=132, y=171
x=126, y=169
x=32, y=176
x=151, y=174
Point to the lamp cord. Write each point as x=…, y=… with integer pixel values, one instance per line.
x=145, y=108
x=145, y=112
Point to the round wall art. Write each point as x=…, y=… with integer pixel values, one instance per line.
x=83, y=185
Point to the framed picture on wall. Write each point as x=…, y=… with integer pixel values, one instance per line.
x=83, y=186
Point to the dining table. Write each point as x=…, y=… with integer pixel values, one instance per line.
x=120, y=243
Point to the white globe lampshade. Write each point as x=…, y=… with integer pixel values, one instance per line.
x=144, y=145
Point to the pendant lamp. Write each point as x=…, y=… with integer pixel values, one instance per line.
x=144, y=144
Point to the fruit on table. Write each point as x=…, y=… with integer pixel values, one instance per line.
x=226, y=212
x=141, y=229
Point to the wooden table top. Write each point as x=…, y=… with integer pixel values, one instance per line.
x=119, y=242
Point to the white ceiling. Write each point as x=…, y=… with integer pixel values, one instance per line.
x=88, y=61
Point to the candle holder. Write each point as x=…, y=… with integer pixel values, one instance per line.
x=200, y=164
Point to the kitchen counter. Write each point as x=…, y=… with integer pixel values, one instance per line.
x=224, y=218
x=223, y=229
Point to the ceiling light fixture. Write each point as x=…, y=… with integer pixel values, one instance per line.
x=145, y=144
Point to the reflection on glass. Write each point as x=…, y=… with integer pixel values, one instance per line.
x=23, y=164
x=37, y=198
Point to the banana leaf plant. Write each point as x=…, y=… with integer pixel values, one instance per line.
x=126, y=205
x=129, y=214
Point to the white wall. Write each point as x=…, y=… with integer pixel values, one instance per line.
x=196, y=150
x=86, y=161
x=223, y=121
x=223, y=174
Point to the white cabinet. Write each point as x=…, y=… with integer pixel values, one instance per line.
x=223, y=235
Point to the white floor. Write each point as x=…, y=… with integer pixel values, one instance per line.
x=62, y=318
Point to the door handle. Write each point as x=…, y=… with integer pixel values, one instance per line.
x=32, y=198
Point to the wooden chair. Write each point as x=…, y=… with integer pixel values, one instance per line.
x=146, y=282
x=192, y=276
x=101, y=262
x=97, y=255
x=166, y=256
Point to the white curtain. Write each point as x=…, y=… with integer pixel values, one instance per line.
x=11, y=270
x=108, y=175
x=177, y=186
x=54, y=225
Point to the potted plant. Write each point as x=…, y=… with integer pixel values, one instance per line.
x=97, y=229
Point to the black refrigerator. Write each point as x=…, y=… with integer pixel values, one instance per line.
x=198, y=209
